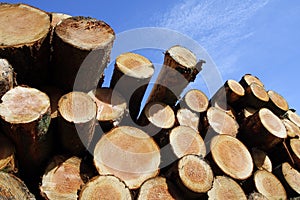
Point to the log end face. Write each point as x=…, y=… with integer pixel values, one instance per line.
x=278, y=100
x=196, y=100
x=160, y=115
x=259, y=92
x=236, y=87
x=252, y=79
x=183, y=56
x=292, y=176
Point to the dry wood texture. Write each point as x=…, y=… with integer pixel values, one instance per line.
x=25, y=115
x=25, y=42
x=57, y=18
x=128, y=153
x=256, y=196
x=293, y=117
x=76, y=124
x=277, y=104
x=196, y=100
x=292, y=129
x=91, y=41
x=247, y=79
x=186, y=117
x=8, y=161
x=6, y=77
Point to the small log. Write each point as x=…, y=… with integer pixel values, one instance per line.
x=255, y=96
x=62, y=179
x=131, y=77
x=158, y=188
x=8, y=162
x=105, y=187
x=25, y=116
x=261, y=160
x=13, y=188
x=91, y=41
x=186, y=117
x=226, y=188
x=247, y=79
x=290, y=178
x=7, y=77
x=193, y=176
x=294, y=147
x=293, y=117
x=196, y=100
x=25, y=44
x=263, y=130
x=267, y=184
x=277, y=104
x=230, y=156
x=185, y=140
x=56, y=18
x=256, y=196
x=179, y=69
x=292, y=129
x=111, y=107
x=76, y=123
x=128, y=153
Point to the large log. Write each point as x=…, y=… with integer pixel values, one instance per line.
x=277, y=104
x=180, y=67
x=25, y=42
x=25, y=116
x=6, y=77
x=105, y=187
x=247, y=79
x=128, y=153
x=255, y=96
x=91, y=41
x=13, y=188
x=8, y=162
x=76, y=123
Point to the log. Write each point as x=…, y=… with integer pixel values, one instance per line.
x=25, y=44
x=261, y=160
x=180, y=68
x=193, y=176
x=131, y=77
x=256, y=196
x=105, y=187
x=185, y=140
x=63, y=177
x=294, y=117
x=56, y=18
x=7, y=77
x=111, y=107
x=263, y=130
x=196, y=100
x=25, y=117
x=225, y=188
x=255, y=96
x=230, y=156
x=158, y=188
x=290, y=178
x=247, y=79
x=186, y=117
x=294, y=147
x=76, y=123
x=13, y=188
x=292, y=129
x=91, y=41
x=128, y=153
x=8, y=162
x=277, y=104
x=267, y=184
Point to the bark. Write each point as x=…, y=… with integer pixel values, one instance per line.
x=25, y=44
x=261, y=160
x=8, y=162
x=85, y=44
x=255, y=96
x=7, y=77
x=277, y=104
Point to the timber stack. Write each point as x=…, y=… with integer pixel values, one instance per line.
x=65, y=136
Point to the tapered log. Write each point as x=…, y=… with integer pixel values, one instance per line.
x=63, y=177
x=91, y=41
x=105, y=187
x=263, y=129
x=261, y=160
x=180, y=67
x=131, y=76
x=196, y=100
x=186, y=117
x=277, y=104
x=247, y=79
x=111, y=107
x=292, y=129
x=129, y=154
x=7, y=77
x=157, y=188
x=293, y=117
x=25, y=116
x=230, y=156
x=294, y=149
x=25, y=44
x=8, y=162
x=268, y=185
x=256, y=196
x=185, y=140
x=290, y=178
x=76, y=123
x=13, y=188
x=226, y=188
x=193, y=176
x=255, y=96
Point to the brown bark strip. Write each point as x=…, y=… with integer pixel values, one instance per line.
x=8, y=162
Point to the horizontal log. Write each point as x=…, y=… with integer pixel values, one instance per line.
x=292, y=129
x=8, y=162
x=293, y=117
x=255, y=96
x=196, y=100
x=277, y=104
x=247, y=79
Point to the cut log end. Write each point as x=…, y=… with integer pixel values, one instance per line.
x=195, y=173
x=236, y=88
x=31, y=26
x=294, y=117
x=185, y=140
x=85, y=33
x=186, y=117
x=247, y=79
x=261, y=160
x=295, y=146
x=128, y=153
x=292, y=176
x=231, y=156
x=226, y=188
x=268, y=185
x=160, y=115
x=24, y=105
x=259, y=92
x=183, y=56
x=292, y=129
x=278, y=101
x=105, y=187
x=196, y=100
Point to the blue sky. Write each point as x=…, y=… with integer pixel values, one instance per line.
x=261, y=37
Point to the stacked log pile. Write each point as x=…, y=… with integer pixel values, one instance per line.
x=64, y=136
